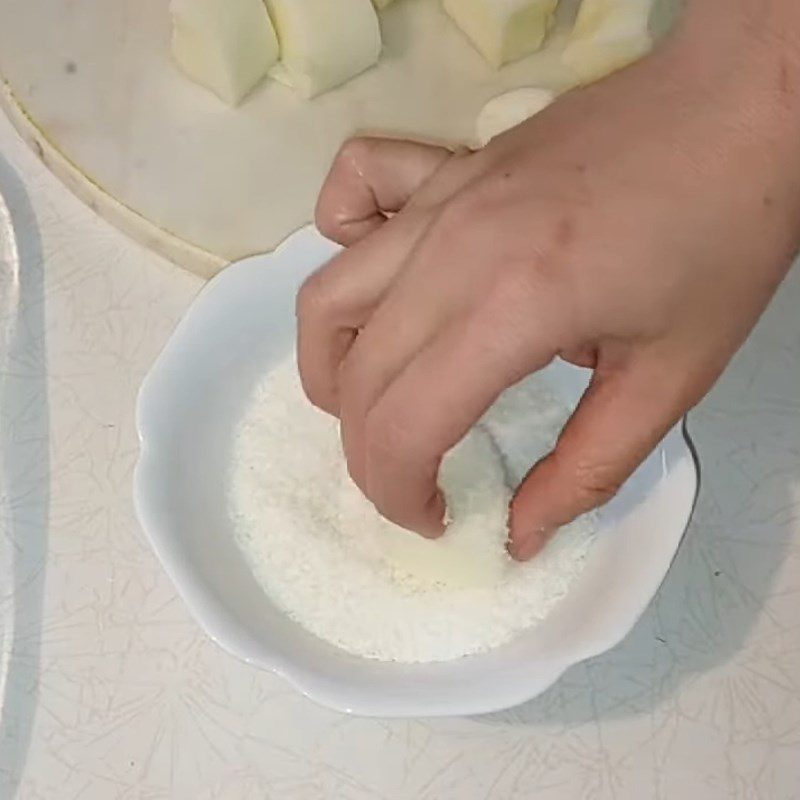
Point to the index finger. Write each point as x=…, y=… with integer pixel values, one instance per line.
x=621, y=418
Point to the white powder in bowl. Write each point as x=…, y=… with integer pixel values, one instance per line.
x=334, y=565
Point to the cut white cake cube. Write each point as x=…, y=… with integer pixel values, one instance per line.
x=608, y=35
x=228, y=46
x=503, y=30
x=508, y=110
x=324, y=43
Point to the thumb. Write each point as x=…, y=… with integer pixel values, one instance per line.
x=621, y=418
x=370, y=179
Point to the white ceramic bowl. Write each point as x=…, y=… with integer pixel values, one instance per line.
x=243, y=323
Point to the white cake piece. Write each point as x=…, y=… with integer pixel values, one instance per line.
x=472, y=552
x=324, y=43
x=228, y=46
x=510, y=109
x=608, y=35
x=503, y=30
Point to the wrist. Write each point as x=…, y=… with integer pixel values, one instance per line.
x=733, y=68
x=767, y=23
x=741, y=57
x=738, y=39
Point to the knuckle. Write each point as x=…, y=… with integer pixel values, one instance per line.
x=387, y=435
x=353, y=150
x=325, y=217
x=596, y=482
x=316, y=387
x=458, y=215
x=330, y=218
x=345, y=164
x=312, y=297
x=320, y=396
x=473, y=207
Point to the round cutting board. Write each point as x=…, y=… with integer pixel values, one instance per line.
x=91, y=86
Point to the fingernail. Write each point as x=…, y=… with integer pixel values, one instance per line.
x=438, y=513
x=526, y=547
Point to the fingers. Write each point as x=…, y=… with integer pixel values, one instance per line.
x=427, y=409
x=370, y=179
x=621, y=418
x=396, y=333
x=423, y=301
x=339, y=299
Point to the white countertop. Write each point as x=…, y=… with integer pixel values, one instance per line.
x=110, y=690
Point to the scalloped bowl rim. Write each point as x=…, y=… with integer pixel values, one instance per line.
x=483, y=683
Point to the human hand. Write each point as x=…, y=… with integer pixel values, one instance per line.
x=638, y=227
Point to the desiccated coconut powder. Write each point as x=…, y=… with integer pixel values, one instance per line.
x=333, y=564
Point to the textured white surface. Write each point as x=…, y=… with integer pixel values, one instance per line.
x=114, y=693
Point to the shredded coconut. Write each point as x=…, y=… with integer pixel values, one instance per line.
x=333, y=564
